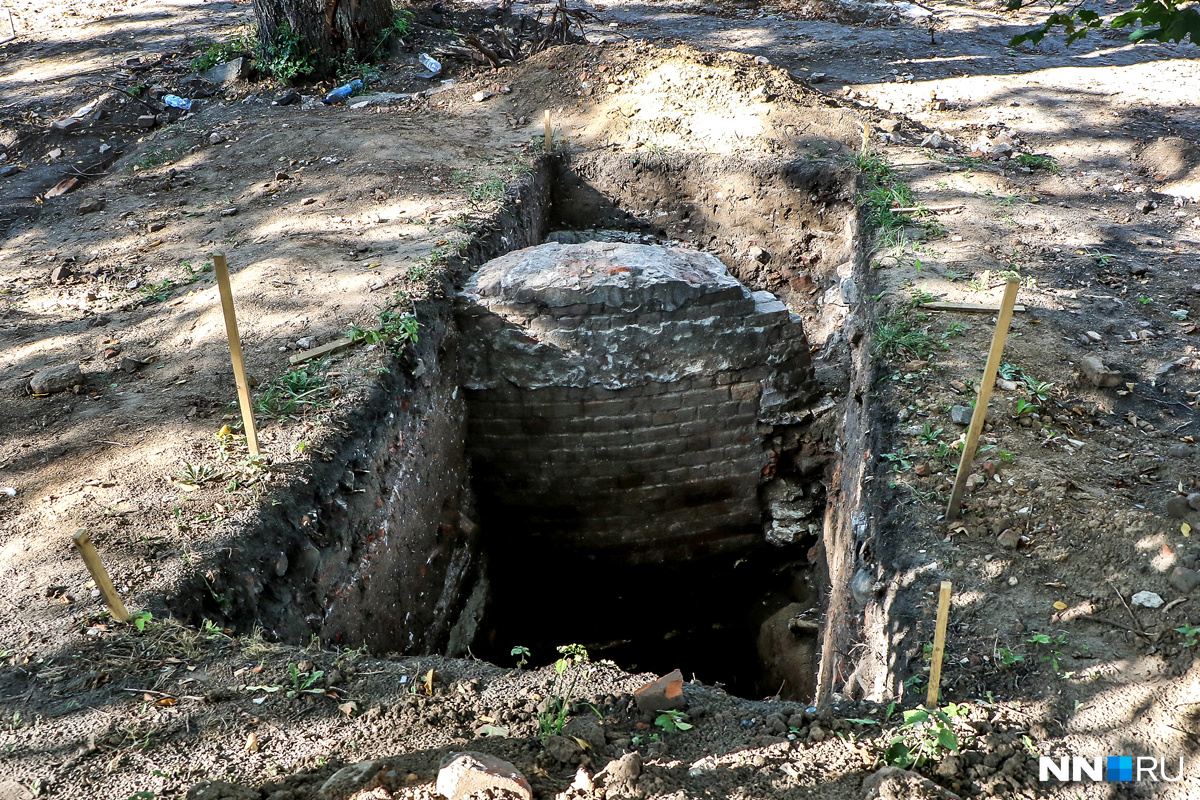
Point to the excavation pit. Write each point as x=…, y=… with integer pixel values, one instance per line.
x=618, y=441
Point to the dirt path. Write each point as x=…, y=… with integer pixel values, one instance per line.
x=333, y=211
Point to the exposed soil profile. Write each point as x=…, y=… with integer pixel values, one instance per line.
x=679, y=392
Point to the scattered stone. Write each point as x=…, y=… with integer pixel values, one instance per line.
x=56, y=379
x=1193, y=501
x=147, y=121
x=1146, y=600
x=230, y=71
x=130, y=364
x=1178, y=507
x=583, y=781
x=104, y=148
x=91, y=205
x=816, y=734
x=563, y=749
x=961, y=415
x=229, y=212
x=889, y=125
x=1098, y=374
x=66, y=125
x=8, y=170
x=156, y=226
x=60, y=273
x=621, y=773
x=479, y=97
x=351, y=780
x=1010, y=539
x=220, y=790
x=1184, y=451
x=463, y=774
x=662, y=694
x=196, y=86
x=923, y=470
x=949, y=767
x=287, y=99
x=934, y=141
x=215, y=138
x=1007, y=385
x=1183, y=579
x=1013, y=581
x=959, y=387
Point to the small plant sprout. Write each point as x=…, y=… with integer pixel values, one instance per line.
x=140, y=620
x=573, y=665
x=302, y=682
x=1190, y=635
x=522, y=654
x=929, y=435
x=924, y=735
x=673, y=721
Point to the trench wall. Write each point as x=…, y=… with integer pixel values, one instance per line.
x=377, y=545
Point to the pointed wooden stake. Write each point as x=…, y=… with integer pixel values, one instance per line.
x=549, y=142
x=235, y=352
x=100, y=575
x=939, y=646
x=985, y=394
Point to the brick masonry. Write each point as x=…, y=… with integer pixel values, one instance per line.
x=619, y=398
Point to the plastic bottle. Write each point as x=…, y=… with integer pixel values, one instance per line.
x=340, y=94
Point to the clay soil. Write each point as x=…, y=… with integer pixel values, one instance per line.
x=330, y=214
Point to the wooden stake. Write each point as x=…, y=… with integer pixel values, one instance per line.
x=939, y=646
x=985, y=394
x=939, y=305
x=549, y=142
x=235, y=352
x=100, y=576
x=324, y=349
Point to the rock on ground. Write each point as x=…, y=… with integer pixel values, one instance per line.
x=463, y=774
x=1098, y=374
x=350, y=780
x=56, y=379
x=892, y=783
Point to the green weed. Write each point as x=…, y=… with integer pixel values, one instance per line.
x=673, y=721
x=1049, y=163
x=299, y=388
x=573, y=665
x=895, y=334
x=924, y=735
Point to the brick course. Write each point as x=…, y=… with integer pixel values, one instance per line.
x=615, y=393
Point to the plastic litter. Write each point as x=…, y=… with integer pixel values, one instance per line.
x=432, y=66
x=340, y=94
x=175, y=101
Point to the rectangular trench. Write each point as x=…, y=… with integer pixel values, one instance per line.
x=385, y=544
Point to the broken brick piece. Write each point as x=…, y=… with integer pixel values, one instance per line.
x=662, y=694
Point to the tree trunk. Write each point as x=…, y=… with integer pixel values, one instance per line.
x=326, y=29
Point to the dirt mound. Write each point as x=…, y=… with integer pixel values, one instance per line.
x=1170, y=158
x=683, y=99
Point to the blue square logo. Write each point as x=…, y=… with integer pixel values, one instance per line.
x=1120, y=768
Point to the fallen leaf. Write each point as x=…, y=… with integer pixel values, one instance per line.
x=1060, y=605
x=166, y=701
x=429, y=683
x=1185, y=529
x=493, y=730
x=348, y=708
x=252, y=742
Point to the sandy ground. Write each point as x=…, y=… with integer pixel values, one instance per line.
x=336, y=207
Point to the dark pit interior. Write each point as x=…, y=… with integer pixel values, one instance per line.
x=403, y=542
